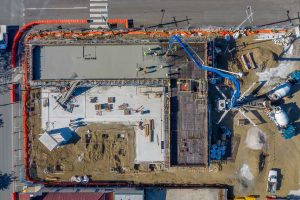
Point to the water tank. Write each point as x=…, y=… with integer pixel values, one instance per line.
x=281, y=117
x=280, y=91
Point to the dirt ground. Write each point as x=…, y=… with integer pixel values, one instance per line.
x=265, y=52
x=106, y=152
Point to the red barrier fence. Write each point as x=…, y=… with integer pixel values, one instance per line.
x=14, y=196
x=34, y=23
x=12, y=92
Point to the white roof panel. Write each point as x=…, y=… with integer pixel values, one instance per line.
x=48, y=141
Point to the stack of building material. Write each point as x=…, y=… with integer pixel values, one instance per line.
x=248, y=61
x=93, y=100
x=242, y=122
x=141, y=125
x=111, y=99
x=127, y=111
x=108, y=107
x=146, y=127
x=97, y=106
x=253, y=63
x=151, y=124
x=123, y=106
x=46, y=102
x=67, y=94
x=149, y=128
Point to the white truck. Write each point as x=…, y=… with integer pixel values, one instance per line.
x=3, y=37
x=272, y=181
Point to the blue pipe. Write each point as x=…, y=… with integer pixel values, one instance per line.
x=233, y=79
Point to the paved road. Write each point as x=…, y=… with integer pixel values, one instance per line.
x=10, y=160
x=55, y=9
x=62, y=9
x=204, y=12
x=6, y=141
x=11, y=12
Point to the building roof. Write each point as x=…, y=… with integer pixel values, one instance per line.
x=49, y=142
x=106, y=61
x=186, y=193
x=78, y=196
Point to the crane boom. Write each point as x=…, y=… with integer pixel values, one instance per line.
x=199, y=63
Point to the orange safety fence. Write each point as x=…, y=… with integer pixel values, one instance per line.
x=34, y=23
x=125, y=22
x=169, y=33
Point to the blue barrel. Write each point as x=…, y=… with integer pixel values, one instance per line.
x=214, y=146
x=223, y=150
x=218, y=155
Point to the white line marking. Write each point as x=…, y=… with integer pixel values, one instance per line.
x=98, y=20
x=98, y=10
x=100, y=0
x=20, y=127
x=73, y=8
x=12, y=142
x=98, y=15
x=98, y=4
x=98, y=26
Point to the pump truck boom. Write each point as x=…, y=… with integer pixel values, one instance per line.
x=199, y=63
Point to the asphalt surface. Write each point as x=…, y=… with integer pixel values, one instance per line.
x=56, y=9
x=11, y=159
x=148, y=12
x=203, y=12
x=6, y=141
x=11, y=12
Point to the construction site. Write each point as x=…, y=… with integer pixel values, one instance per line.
x=136, y=115
x=162, y=108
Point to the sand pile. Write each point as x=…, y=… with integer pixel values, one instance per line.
x=265, y=57
x=265, y=53
x=255, y=139
x=246, y=173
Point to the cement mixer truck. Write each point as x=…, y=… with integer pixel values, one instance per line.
x=283, y=89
